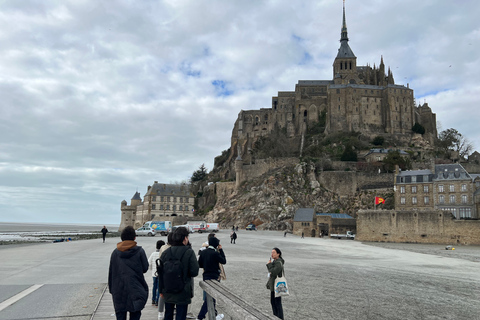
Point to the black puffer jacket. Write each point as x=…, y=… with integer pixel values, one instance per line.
x=126, y=282
x=190, y=270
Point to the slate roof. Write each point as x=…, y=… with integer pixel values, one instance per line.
x=414, y=173
x=304, y=215
x=336, y=215
x=345, y=51
x=136, y=196
x=453, y=171
x=314, y=82
x=161, y=189
x=403, y=153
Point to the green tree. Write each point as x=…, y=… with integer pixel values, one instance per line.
x=199, y=174
x=418, y=128
x=378, y=141
x=395, y=158
x=349, y=154
x=451, y=140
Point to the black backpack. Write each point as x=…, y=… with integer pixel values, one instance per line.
x=173, y=279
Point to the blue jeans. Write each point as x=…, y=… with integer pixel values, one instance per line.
x=181, y=311
x=155, y=292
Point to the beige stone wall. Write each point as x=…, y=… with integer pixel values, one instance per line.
x=347, y=182
x=417, y=227
x=264, y=165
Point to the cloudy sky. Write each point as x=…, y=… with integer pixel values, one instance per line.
x=100, y=98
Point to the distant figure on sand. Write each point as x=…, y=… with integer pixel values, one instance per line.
x=104, y=233
x=233, y=237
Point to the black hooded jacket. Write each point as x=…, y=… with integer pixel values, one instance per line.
x=126, y=282
x=209, y=260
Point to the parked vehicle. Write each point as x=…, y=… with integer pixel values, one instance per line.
x=348, y=235
x=189, y=228
x=251, y=227
x=198, y=226
x=145, y=231
x=212, y=227
x=162, y=227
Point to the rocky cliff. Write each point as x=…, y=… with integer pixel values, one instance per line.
x=271, y=199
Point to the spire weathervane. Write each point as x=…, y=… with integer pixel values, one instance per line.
x=344, y=26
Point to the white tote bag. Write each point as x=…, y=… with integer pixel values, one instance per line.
x=281, y=287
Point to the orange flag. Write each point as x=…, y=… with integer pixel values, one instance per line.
x=379, y=200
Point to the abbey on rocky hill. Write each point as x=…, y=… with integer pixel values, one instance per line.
x=358, y=99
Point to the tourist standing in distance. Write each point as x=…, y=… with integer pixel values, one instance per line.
x=182, y=255
x=126, y=282
x=233, y=237
x=151, y=261
x=275, y=269
x=104, y=233
x=209, y=260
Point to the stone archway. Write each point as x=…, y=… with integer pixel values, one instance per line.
x=313, y=233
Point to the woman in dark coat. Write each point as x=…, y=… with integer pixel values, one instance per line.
x=126, y=282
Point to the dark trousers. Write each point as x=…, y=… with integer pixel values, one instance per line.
x=276, y=305
x=133, y=315
x=104, y=237
x=181, y=311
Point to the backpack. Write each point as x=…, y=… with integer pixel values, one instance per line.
x=173, y=279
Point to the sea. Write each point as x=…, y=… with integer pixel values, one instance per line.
x=33, y=232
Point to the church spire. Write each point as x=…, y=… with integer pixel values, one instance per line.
x=344, y=36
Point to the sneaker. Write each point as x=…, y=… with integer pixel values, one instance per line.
x=220, y=317
x=191, y=316
x=161, y=316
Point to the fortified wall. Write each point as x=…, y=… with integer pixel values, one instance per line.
x=416, y=227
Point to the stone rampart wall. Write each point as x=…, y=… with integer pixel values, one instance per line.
x=262, y=166
x=347, y=182
x=416, y=227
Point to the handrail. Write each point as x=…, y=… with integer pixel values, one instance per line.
x=236, y=307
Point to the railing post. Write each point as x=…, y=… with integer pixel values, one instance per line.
x=211, y=307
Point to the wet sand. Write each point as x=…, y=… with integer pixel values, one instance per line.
x=470, y=253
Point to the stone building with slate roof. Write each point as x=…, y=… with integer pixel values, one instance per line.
x=315, y=224
x=449, y=188
x=160, y=202
x=361, y=99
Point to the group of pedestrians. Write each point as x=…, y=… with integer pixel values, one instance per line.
x=173, y=282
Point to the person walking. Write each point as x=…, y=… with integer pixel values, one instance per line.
x=178, y=265
x=234, y=237
x=275, y=269
x=104, y=233
x=303, y=234
x=126, y=282
x=151, y=261
x=209, y=260
x=161, y=300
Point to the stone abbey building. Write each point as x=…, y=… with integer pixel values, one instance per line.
x=357, y=99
